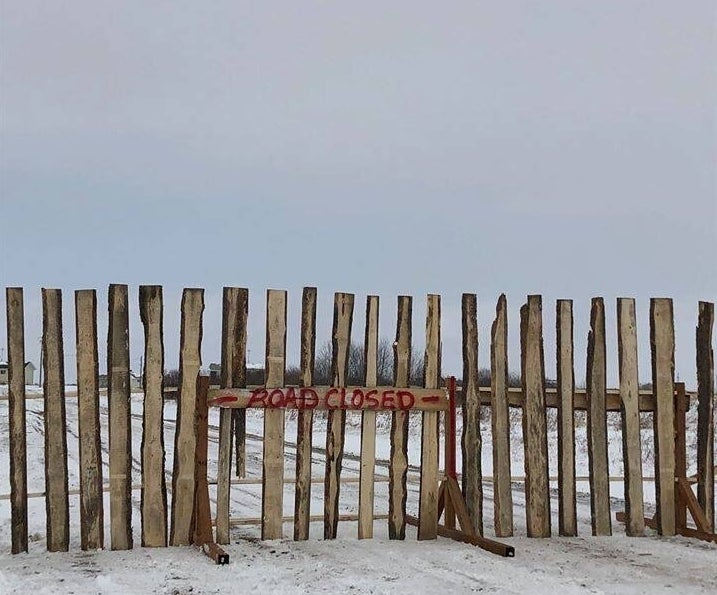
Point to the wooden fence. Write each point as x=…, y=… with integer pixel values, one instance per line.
x=162, y=524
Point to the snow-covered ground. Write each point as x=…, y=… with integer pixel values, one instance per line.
x=584, y=564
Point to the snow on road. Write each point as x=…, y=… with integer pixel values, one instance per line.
x=571, y=565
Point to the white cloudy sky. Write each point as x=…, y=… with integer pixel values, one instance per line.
x=564, y=148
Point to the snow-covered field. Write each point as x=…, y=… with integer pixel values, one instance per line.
x=584, y=564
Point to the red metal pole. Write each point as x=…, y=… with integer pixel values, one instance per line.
x=451, y=438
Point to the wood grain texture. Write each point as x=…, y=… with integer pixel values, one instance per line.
x=662, y=343
x=471, y=443
x=567, y=505
x=535, y=439
x=596, y=383
x=630, y=413
x=428, y=496
x=202, y=515
x=398, y=465
x=235, y=309
x=705, y=411
x=185, y=437
x=153, y=504
x=336, y=419
x=305, y=419
x=500, y=422
x=368, y=424
x=17, y=418
x=272, y=496
x=53, y=361
x=88, y=413
x=120, y=425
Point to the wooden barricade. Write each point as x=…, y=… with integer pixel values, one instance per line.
x=442, y=495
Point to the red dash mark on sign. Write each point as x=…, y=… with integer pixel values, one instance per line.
x=223, y=399
x=431, y=399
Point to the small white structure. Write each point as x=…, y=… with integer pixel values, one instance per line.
x=5, y=373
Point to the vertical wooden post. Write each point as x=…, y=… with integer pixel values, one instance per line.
x=202, y=515
x=368, y=424
x=154, y=489
x=630, y=410
x=17, y=415
x=185, y=437
x=471, y=439
x=567, y=505
x=272, y=496
x=500, y=422
x=53, y=360
x=428, y=496
x=235, y=311
x=305, y=418
x=662, y=342
x=88, y=413
x=680, y=454
x=398, y=465
x=596, y=383
x=705, y=411
x=120, y=423
x=341, y=340
x=535, y=438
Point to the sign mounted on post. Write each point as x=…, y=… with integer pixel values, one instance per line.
x=382, y=398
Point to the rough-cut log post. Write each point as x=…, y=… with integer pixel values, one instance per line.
x=471, y=439
x=500, y=422
x=305, y=418
x=597, y=421
x=368, y=424
x=630, y=411
x=336, y=419
x=185, y=437
x=88, y=414
x=535, y=435
x=238, y=421
x=428, y=496
x=705, y=411
x=120, y=424
x=662, y=343
x=233, y=374
x=154, y=488
x=53, y=361
x=272, y=496
x=17, y=415
x=398, y=465
x=567, y=507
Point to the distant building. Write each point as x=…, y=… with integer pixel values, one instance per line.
x=215, y=373
x=29, y=373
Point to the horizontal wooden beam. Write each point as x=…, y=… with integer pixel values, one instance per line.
x=313, y=518
x=381, y=398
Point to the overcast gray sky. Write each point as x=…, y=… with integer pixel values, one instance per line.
x=563, y=148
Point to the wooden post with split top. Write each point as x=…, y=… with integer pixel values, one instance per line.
x=450, y=497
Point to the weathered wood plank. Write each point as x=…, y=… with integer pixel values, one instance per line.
x=305, y=418
x=471, y=443
x=185, y=437
x=272, y=496
x=535, y=439
x=629, y=387
x=154, y=489
x=567, y=511
x=53, y=361
x=120, y=425
x=233, y=374
x=336, y=419
x=662, y=343
x=398, y=465
x=368, y=424
x=428, y=496
x=705, y=411
x=596, y=383
x=331, y=398
x=500, y=422
x=17, y=418
x=202, y=514
x=88, y=414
